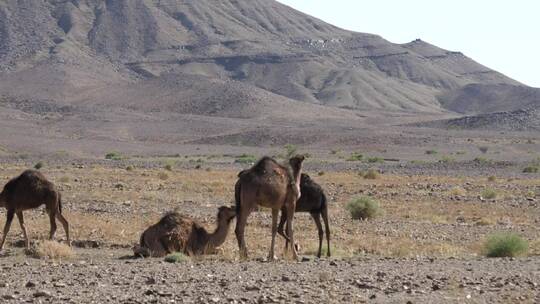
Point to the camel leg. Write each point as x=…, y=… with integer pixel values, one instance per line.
x=23, y=228
x=65, y=224
x=317, y=218
x=241, y=221
x=52, y=220
x=281, y=225
x=9, y=219
x=275, y=214
x=324, y=214
x=290, y=229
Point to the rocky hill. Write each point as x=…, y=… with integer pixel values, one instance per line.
x=69, y=50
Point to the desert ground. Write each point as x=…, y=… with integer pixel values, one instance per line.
x=425, y=246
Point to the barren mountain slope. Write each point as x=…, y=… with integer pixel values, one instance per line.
x=61, y=49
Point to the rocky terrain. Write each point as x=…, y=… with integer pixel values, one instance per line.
x=427, y=245
x=519, y=120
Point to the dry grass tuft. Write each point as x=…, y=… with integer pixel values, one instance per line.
x=458, y=191
x=51, y=250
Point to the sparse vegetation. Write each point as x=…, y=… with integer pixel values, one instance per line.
x=489, y=193
x=130, y=168
x=320, y=173
x=492, y=178
x=482, y=160
x=363, y=208
x=458, y=191
x=168, y=167
x=163, y=176
x=375, y=159
x=113, y=156
x=371, y=174
x=505, y=245
x=39, y=165
x=531, y=169
x=431, y=152
x=246, y=159
x=290, y=150
x=50, y=250
x=483, y=149
x=446, y=159
x=355, y=157
x=176, y=257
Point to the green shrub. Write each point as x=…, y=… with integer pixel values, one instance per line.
x=176, y=257
x=531, y=169
x=363, y=208
x=168, y=167
x=489, y=194
x=130, y=168
x=483, y=149
x=431, y=152
x=492, y=178
x=246, y=159
x=447, y=159
x=39, y=165
x=113, y=156
x=355, y=157
x=482, y=160
x=375, y=160
x=371, y=174
x=320, y=173
x=505, y=245
x=290, y=150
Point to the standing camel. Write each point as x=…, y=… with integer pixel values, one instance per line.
x=313, y=200
x=29, y=191
x=270, y=185
x=179, y=233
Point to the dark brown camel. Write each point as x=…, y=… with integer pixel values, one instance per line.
x=29, y=191
x=270, y=185
x=313, y=200
x=179, y=233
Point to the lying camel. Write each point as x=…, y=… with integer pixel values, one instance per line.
x=178, y=233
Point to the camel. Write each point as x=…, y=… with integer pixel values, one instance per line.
x=313, y=200
x=178, y=233
x=29, y=191
x=268, y=184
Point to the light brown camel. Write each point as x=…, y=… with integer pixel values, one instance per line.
x=270, y=185
x=313, y=200
x=29, y=191
x=178, y=233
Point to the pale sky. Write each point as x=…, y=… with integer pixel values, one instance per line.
x=500, y=34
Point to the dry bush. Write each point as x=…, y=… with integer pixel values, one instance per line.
x=51, y=250
x=458, y=191
x=371, y=174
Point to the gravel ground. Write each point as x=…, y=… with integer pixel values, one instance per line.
x=102, y=276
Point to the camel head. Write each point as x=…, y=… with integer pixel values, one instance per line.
x=296, y=161
x=226, y=213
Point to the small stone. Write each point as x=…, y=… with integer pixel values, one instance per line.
x=42, y=294
x=252, y=288
x=285, y=278
x=59, y=284
x=4, y=285
x=215, y=300
x=30, y=284
x=9, y=297
x=333, y=263
x=435, y=287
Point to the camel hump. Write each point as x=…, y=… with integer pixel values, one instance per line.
x=171, y=220
x=265, y=164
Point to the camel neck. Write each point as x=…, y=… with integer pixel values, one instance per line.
x=297, y=172
x=219, y=235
